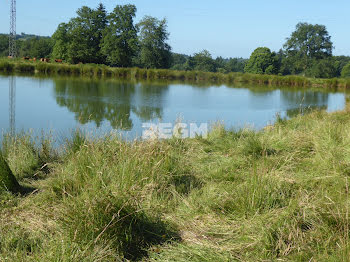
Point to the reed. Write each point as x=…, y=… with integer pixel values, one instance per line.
x=94, y=70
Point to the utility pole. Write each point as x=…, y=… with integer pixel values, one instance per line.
x=12, y=36
x=12, y=79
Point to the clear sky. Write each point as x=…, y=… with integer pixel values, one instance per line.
x=228, y=28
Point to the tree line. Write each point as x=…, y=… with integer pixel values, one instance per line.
x=28, y=45
x=308, y=52
x=114, y=39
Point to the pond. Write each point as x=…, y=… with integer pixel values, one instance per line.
x=63, y=104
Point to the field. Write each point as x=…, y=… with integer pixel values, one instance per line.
x=280, y=194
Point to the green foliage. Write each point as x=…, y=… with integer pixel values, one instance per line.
x=340, y=62
x=119, y=43
x=61, y=39
x=235, y=65
x=95, y=36
x=38, y=47
x=80, y=39
x=346, y=71
x=203, y=61
x=28, y=46
x=307, y=44
x=178, y=61
x=323, y=68
x=155, y=52
x=4, y=45
x=261, y=61
x=310, y=41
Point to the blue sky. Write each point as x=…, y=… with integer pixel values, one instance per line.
x=228, y=28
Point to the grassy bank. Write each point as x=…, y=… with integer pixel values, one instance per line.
x=278, y=194
x=20, y=66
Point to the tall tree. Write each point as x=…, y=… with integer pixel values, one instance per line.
x=100, y=22
x=119, y=43
x=80, y=39
x=155, y=52
x=61, y=39
x=307, y=43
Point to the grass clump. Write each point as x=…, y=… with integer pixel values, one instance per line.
x=280, y=194
x=8, y=181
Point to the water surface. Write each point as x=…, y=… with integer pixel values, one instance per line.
x=63, y=104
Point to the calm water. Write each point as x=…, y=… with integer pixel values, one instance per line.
x=63, y=104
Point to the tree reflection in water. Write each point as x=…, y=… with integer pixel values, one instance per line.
x=113, y=101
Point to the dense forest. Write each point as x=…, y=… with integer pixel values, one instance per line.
x=115, y=39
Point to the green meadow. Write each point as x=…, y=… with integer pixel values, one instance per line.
x=279, y=194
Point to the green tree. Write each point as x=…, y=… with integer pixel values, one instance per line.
x=86, y=35
x=120, y=42
x=36, y=47
x=220, y=64
x=81, y=46
x=203, y=61
x=178, y=61
x=80, y=39
x=42, y=47
x=4, y=44
x=346, y=71
x=340, y=62
x=235, y=65
x=261, y=61
x=322, y=68
x=61, y=39
x=155, y=52
x=307, y=43
x=189, y=65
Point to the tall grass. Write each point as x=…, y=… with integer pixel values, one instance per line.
x=281, y=194
x=94, y=70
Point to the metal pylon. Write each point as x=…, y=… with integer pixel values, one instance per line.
x=12, y=36
x=12, y=105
